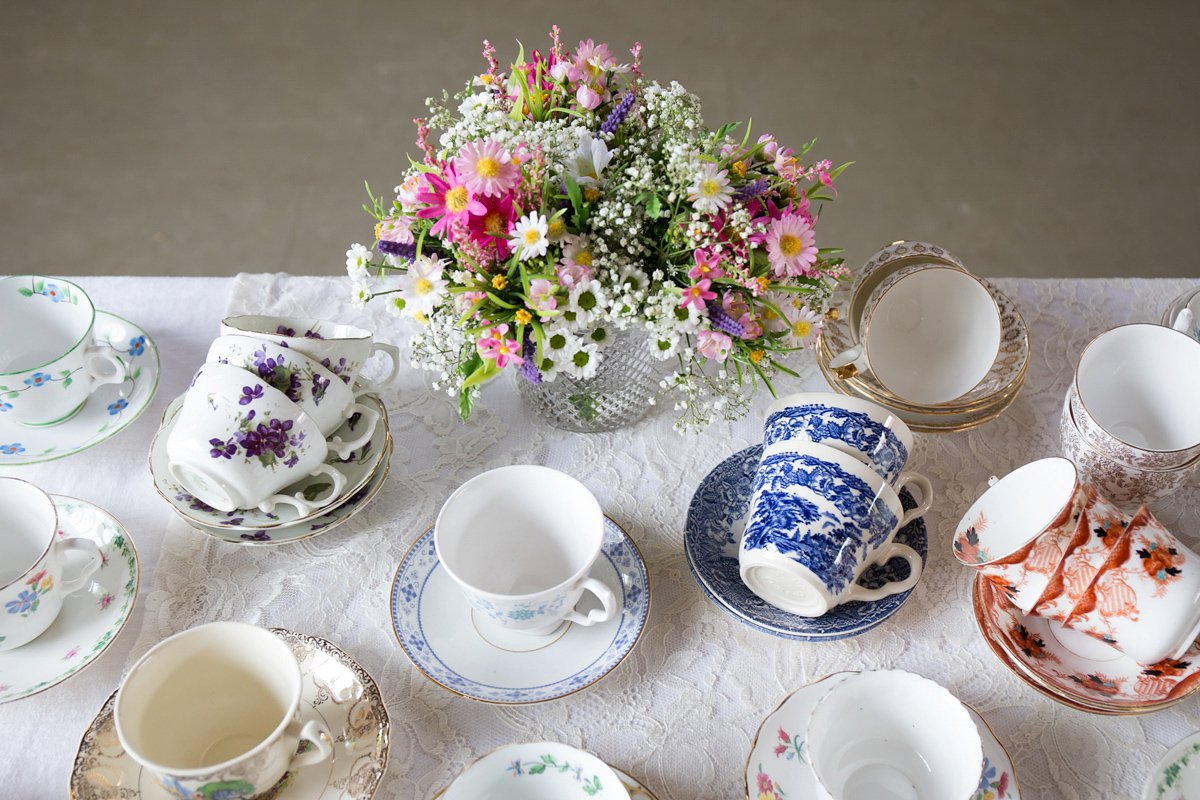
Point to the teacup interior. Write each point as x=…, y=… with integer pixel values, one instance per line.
x=1020, y=506
x=26, y=529
x=39, y=327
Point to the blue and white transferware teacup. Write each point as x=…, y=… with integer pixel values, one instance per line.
x=818, y=518
x=48, y=363
x=868, y=431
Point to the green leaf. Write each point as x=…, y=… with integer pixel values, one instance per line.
x=536, y=769
x=485, y=372
x=833, y=174
x=66, y=383
x=24, y=291
x=136, y=374
x=312, y=492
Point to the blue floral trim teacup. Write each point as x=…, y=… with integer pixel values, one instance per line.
x=818, y=518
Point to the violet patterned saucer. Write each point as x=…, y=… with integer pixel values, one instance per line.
x=90, y=618
x=335, y=689
x=359, y=467
x=107, y=411
x=713, y=529
x=455, y=649
x=778, y=763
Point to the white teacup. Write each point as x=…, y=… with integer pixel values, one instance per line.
x=893, y=734
x=317, y=390
x=929, y=333
x=342, y=349
x=1184, y=314
x=48, y=364
x=238, y=441
x=216, y=709
x=31, y=563
x=818, y=519
x=520, y=541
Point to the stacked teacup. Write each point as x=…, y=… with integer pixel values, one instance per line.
x=825, y=506
x=1058, y=548
x=268, y=410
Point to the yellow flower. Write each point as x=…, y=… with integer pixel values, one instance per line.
x=758, y=355
x=763, y=283
x=499, y=282
x=523, y=317
x=591, y=194
x=740, y=168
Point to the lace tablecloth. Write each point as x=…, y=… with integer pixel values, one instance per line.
x=681, y=711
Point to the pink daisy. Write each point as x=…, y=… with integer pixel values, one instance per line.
x=697, y=295
x=487, y=168
x=706, y=266
x=491, y=228
x=449, y=200
x=790, y=247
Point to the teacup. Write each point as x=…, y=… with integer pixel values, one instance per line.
x=1017, y=532
x=1184, y=314
x=48, y=363
x=214, y=711
x=342, y=349
x=520, y=541
x=818, y=519
x=238, y=441
x=317, y=390
x=31, y=563
x=893, y=734
x=929, y=333
x=1145, y=599
x=1134, y=396
x=868, y=431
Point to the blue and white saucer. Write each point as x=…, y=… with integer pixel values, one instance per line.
x=714, y=528
x=456, y=649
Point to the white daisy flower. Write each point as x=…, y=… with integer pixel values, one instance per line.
x=590, y=160
x=530, y=236
x=583, y=362
x=588, y=302
x=362, y=293
x=601, y=335
x=358, y=259
x=422, y=286
x=665, y=344
x=806, y=324
x=711, y=192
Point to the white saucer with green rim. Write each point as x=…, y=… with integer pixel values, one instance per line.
x=107, y=411
x=1177, y=774
x=90, y=618
x=536, y=771
x=336, y=690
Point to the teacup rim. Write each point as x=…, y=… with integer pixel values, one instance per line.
x=845, y=401
x=304, y=359
x=232, y=322
x=825, y=452
x=86, y=334
x=1190, y=464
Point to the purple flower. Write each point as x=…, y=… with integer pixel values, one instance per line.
x=318, y=388
x=257, y=536
x=618, y=114
x=284, y=330
x=528, y=368
x=271, y=437
x=312, y=335
x=26, y=601
x=751, y=190
x=250, y=395
x=292, y=461
x=222, y=449
x=404, y=252
x=724, y=322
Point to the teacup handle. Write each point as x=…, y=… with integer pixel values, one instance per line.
x=95, y=559
x=1183, y=320
x=343, y=449
x=313, y=731
x=849, y=363
x=884, y=555
x=393, y=353
x=99, y=354
x=922, y=483
x=307, y=506
x=606, y=597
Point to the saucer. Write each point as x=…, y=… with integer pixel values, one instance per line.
x=107, y=411
x=457, y=650
x=536, y=771
x=1074, y=669
x=90, y=618
x=1177, y=774
x=336, y=689
x=778, y=763
x=714, y=527
x=358, y=467
x=636, y=788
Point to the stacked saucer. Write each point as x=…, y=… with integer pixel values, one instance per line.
x=899, y=287
x=542, y=771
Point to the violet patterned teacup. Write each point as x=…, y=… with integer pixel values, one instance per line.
x=340, y=348
x=520, y=542
x=238, y=441
x=48, y=362
x=32, y=556
x=868, y=431
x=317, y=391
x=818, y=519
x=215, y=711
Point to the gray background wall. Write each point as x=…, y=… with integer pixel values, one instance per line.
x=1031, y=139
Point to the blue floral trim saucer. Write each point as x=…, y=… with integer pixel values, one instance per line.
x=714, y=527
x=446, y=641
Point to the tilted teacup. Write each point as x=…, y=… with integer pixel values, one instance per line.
x=31, y=563
x=238, y=441
x=520, y=542
x=868, y=431
x=317, y=390
x=48, y=363
x=214, y=711
x=818, y=519
x=340, y=348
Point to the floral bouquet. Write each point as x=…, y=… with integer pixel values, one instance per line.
x=572, y=198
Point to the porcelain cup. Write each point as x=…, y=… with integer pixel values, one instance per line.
x=818, y=519
x=238, y=441
x=1134, y=395
x=929, y=333
x=1183, y=314
x=893, y=734
x=862, y=429
x=32, y=556
x=48, y=363
x=214, y=711
x=342, y=349
x=1016, y=533
x=318, y=391
x=520, y=542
